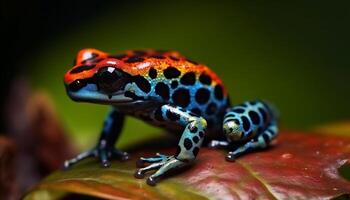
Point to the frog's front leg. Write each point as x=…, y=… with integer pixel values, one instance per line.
x=187, y=149
x=105, y=150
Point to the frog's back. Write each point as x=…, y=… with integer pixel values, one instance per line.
x=179, y=81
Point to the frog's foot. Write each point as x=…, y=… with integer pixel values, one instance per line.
x=104, y=154
x=218, y=144
x=231, y=156
x=161, y=163
x=158, y=158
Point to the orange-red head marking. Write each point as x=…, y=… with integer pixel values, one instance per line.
x=147, y=72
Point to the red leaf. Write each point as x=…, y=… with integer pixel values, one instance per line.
x=300, y=165
x=296, y=166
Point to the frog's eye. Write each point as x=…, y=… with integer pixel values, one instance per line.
x=110, y=79
x=77, y=85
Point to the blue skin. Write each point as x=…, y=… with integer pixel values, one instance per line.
x=130, y=99
x=239, y=137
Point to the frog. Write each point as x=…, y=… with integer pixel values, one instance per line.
x=170, y=91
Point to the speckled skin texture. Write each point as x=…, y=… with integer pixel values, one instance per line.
x=165, y=89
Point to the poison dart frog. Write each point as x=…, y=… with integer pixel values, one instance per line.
x=167, y=90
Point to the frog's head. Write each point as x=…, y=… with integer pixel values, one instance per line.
x=97, y=78
x=232, y=130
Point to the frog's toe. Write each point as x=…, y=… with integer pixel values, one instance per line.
x=140, y=173
x=151, y=181
x=68, y=163
x=230, y=157
x=103, y=155
x=82, y=156
x=168, y=165
x=158, y=158
x=218, y=144
x=106, y=154
x=213, y=144
x=105, y=163
x=163, y=166
x=121, y=155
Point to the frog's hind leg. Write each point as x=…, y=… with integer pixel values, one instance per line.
x=248, y=126
x=188, y=146
x=259, y=142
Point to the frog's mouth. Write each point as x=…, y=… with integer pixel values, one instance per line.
x=90, y=93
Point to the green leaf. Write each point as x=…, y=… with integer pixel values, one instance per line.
x=297, y=165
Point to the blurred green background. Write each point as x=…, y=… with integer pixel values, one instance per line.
x=292, y=54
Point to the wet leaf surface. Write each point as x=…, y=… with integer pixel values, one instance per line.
x=298, y=165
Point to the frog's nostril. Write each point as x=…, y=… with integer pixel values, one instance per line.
x=109, y=79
